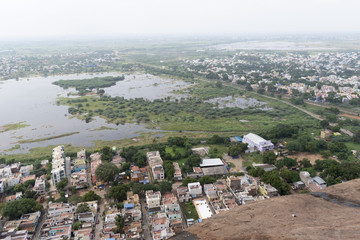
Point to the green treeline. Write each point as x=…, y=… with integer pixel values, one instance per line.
x=92, y=83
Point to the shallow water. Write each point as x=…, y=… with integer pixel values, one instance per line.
x=33, y=100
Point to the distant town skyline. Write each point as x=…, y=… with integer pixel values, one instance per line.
x=113, y=18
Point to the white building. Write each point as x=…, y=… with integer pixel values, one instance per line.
x=40, y=186
x=158, y=172
x=195, y=189
x=25, y=170
x=56, y=209
x=2, y=186
x=153, y=199
x=13, y=180
x=257, y=142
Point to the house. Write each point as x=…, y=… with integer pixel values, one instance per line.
x=210, y=192
x=2, y=186
x=195, y=189
x=177, y=173
x=56, y=209
x=299, y=185
x=25, y=170
x=202, y=151
x=266, y=167
x=202, y=208
x=233, y=183
x=87, y=217
x=13, y=180
x=160, y=222
x=213, y=167
x=14, y=197
x=95, y=162
x=30, y=221
x=15, y=167
x=40, y=186
x=257, y=142
x=183, y=194
x=196, y=173
x=320, y=182
x=158, y=172
x=154, y=158
x=56, y=232
x=58, y=170
x=153, y=199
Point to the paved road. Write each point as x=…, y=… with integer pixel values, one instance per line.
x=99, y=227
x=145, y=221
x=39, y=226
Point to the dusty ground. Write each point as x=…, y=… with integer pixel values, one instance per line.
x=350, y=116
x=236, y=161
x=311, y=156
x=315, y=218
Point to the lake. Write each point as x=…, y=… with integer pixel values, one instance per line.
x=33, y=100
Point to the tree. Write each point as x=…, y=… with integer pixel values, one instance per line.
x=218, y=84
x=15, y=209
x=236, y=149
x=19, y=188
x=77, y=225
x=165, y=186
x=90, y=196
x=30, y=194
x=140, y=159
x=118, y=192
x=188, y=180
x=324, y=123
x=120, y=223
x=305, y=163
x=207, y=180
x=289, y=176
x=269, y=157
x=106, y=171
x=83, y=207
x=62, y=184
x=106, y=153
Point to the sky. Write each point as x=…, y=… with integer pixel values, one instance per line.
x=115, y=18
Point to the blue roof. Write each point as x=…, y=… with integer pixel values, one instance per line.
x=110, y=239
x=129, y=205
x=238, y=138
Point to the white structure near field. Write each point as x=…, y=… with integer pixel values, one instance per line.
x=257, y=143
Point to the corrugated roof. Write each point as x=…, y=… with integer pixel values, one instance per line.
x=211, y=162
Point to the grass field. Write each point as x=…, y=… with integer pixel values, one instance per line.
x=189, y=210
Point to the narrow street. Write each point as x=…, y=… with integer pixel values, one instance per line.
x=99, y=226
x=145, y=220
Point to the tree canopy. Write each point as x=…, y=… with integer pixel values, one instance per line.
x=106, y=171
x=15, y=209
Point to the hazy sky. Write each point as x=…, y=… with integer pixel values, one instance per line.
x=101, y=18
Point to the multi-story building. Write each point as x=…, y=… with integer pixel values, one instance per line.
x=158, y=172
x=233, y=183
x=56, y=209
x=195, y=189
x=183, y=194
x=153, y=199
x=256, y=142
x=40, y=186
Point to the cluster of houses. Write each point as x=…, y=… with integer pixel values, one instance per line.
x=23, y=228
x=132, y=214
x=78, y=178
x=165, y=213
x=61, y=219
x=14, y=174
x=313, y=184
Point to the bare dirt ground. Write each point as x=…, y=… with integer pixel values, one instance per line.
x=236, y=161
x=298, y=216
x=350, y=116
x=311, y=156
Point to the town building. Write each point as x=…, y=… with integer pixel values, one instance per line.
x=258, y=143
x=195, y=189
x=153, y=199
